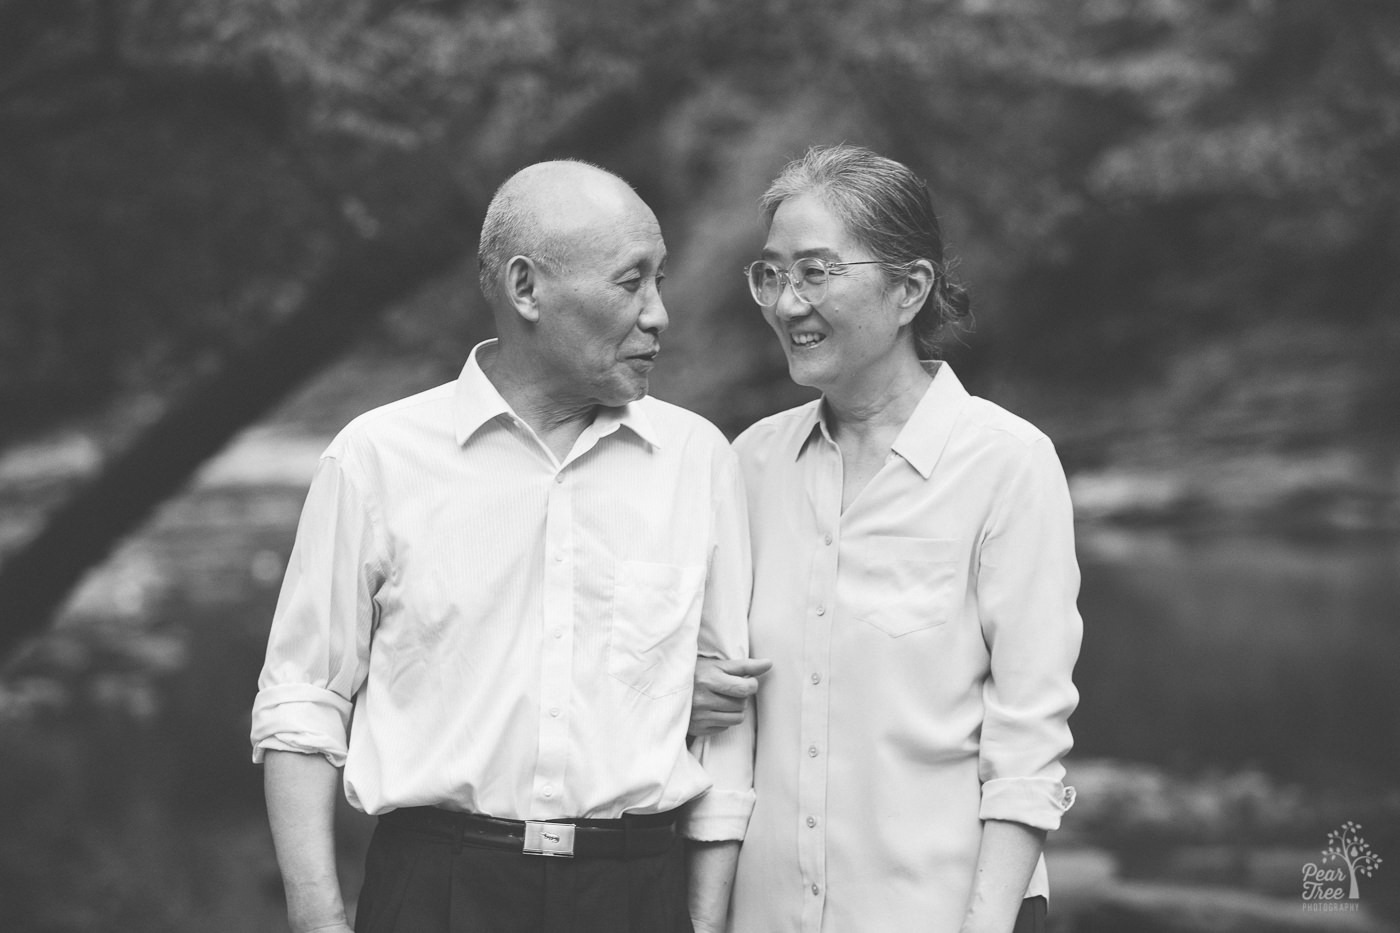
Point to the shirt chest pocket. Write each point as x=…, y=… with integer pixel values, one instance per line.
x=655, y=625
x=908, y=584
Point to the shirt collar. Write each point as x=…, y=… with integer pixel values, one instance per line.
x=922, y=439
x=925, y=434
x=630, y=416
x=476, y=403
x=811, y=421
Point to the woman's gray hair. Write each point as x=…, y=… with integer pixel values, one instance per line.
x=886, y=207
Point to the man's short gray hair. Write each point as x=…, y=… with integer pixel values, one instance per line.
x=514, y=227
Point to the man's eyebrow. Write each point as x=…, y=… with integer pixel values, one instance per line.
x=637, y=262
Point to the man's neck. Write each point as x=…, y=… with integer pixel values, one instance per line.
x=557, y=422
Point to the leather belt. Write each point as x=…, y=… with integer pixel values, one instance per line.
x=630, y=836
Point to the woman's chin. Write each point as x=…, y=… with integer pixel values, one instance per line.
x=805, y=374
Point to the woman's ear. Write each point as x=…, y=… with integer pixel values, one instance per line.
x=914, y=290
x=521, y=288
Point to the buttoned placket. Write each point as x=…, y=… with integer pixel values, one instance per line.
x=557, y=652
x=825, y=497
x=557, y=649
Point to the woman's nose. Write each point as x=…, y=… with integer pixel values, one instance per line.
x=789, y=306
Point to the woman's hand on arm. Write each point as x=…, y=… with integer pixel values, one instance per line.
x=722, y=688
x=301, y=792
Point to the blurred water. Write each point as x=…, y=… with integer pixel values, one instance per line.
x=1241, y=651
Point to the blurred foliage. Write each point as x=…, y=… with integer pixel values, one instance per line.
x=172, y=174
x=1126, y=178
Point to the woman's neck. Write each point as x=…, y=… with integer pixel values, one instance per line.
x=865, y=424
x=875, y=410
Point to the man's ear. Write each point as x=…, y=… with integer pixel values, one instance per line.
x=914, y=291
x=521, y=288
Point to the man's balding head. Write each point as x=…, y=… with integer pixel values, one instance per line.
x=545, y=212
x=571, y=264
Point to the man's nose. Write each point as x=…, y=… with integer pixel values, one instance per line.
x=654, y=318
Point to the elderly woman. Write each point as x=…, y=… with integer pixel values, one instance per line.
x=914, y=586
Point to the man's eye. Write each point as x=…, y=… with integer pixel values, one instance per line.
x=631, y=284
x=660, y=277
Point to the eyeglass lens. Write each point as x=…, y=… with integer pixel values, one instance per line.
x=807, y=276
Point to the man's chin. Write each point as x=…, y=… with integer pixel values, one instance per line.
x=624, y=394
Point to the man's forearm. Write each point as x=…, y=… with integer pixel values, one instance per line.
x=712, y=866
x=301, y=792
x=1005, y=862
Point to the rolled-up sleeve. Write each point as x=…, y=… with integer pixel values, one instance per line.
x=722, y=813
x=318, y=648
x=1028, y=583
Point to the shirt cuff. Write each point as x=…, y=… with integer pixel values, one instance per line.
x=717, y=816
x=301, y=718
x=1037, y=802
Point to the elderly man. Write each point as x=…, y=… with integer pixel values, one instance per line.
x=493, y=610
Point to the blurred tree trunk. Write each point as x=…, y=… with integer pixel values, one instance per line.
x=370, y=275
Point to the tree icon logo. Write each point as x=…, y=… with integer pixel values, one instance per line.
x=1347, y=858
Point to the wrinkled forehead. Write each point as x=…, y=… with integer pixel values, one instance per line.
x=808, y=225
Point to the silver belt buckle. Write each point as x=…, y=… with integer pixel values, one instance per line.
x=554, y=839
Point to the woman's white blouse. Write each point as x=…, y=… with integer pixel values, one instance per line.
x=923, y=644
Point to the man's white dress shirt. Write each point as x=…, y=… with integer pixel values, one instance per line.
x=468, y=622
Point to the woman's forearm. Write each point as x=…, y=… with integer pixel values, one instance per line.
x=712, y=866
x=1005, y=861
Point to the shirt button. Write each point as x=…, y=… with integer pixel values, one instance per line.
x=558, y=555
x=816, y=678
x=816, y=890
x=828, y=539
x=554, y=711
x=548, y=790
x=559, y=633
x=559, y=478
x=811, y=821
x=821, y=610
x=811, y=751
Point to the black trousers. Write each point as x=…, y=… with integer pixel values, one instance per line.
x=418, y=882
x=1031, y=918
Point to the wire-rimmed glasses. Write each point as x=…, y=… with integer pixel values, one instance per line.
x=809, y=279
